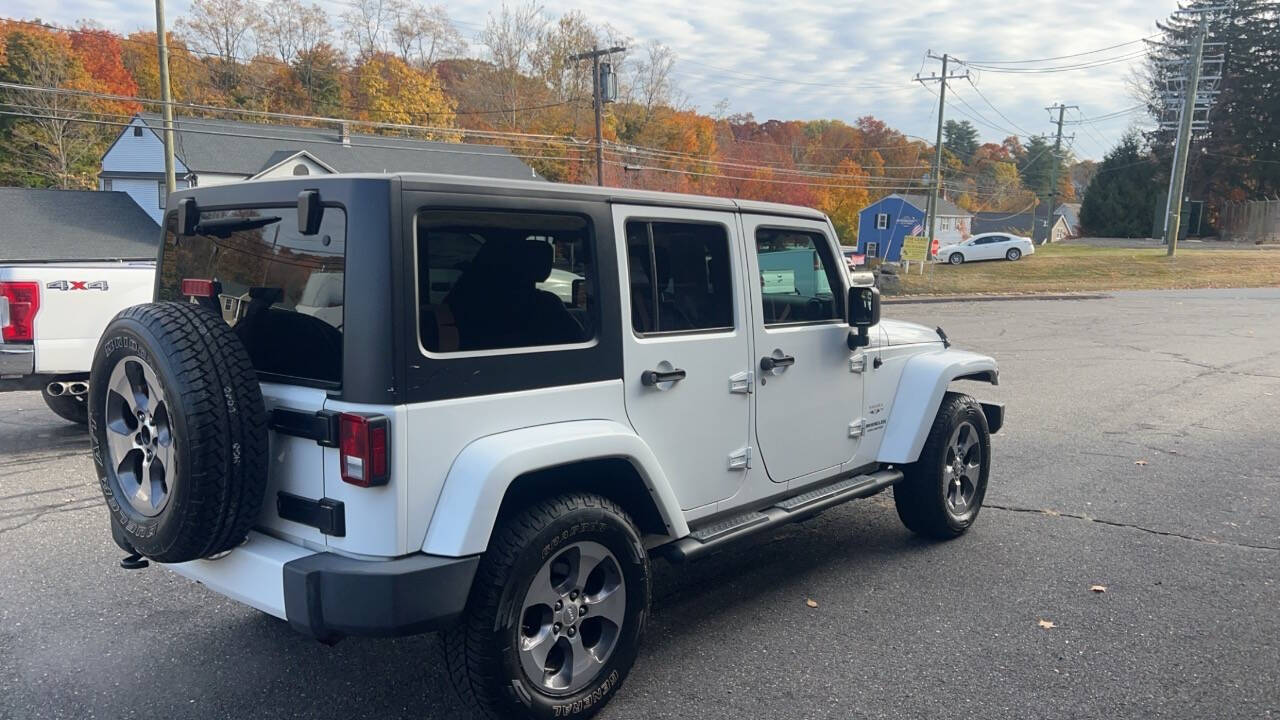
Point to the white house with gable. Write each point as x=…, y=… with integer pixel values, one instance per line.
x=214, y=151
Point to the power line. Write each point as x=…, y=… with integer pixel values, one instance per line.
x=993, y=107
x=281, y=63
x=1058, y=68
x=353, y=143
x=189, y=125
x=1059, y=57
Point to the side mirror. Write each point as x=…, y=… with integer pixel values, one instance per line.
x=864, y=307
x=188, y=216
x=309, y=212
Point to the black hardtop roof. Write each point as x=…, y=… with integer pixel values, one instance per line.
x=431, y=182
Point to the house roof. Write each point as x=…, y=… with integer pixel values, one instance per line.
x=985, y=222
x=1021, y=223
x=945, y=207
x=44, y=225
x=240, y=148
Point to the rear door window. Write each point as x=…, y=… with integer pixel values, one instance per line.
x=680, y=277
x=280, y=290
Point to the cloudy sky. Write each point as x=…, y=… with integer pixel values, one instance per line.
x=805, y=59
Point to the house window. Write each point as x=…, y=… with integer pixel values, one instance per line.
x=106, y=184
x=882, y=221
x=137, y=131
x=301, y=169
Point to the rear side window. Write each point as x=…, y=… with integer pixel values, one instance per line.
x=496, y=280
x=280, y=290
x=679, y=277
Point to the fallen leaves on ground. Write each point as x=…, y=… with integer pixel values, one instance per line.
x=811, y=603
x=1098, y=588
x=1048, y=624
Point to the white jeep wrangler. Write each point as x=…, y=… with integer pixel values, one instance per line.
x=381, y=405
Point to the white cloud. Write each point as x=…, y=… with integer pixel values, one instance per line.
x=857, y=58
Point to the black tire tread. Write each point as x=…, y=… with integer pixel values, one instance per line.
x=914, y=497
x=226, y=446
x=469, y=658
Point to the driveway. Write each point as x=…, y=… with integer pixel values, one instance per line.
x=1139, y=455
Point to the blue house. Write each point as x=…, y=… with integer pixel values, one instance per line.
x=883, y=224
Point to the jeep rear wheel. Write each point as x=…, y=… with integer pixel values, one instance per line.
x=556, y=612
x=178, y=430
x=942, y=492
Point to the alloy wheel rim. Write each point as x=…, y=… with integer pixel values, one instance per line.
x=572, y=616
x=139, y=436
x=962, y=468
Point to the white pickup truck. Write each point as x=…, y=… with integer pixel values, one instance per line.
x=51, y=316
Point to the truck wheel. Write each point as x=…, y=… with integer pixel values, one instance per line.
x=942, y=492
x=178, y=431
x=556, y=612
x=67, y=405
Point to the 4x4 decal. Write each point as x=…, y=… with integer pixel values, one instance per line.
x=77, y=285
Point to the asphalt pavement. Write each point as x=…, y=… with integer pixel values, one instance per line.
x=1139, y=454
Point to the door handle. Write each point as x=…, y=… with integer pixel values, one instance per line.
x=649, y=378
x=768, y=362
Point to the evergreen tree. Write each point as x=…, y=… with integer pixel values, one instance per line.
x=1121, y=198
x=1244, y=123
x=961, y=138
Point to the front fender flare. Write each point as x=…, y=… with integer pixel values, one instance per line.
x=478, y=480
x=923, y=383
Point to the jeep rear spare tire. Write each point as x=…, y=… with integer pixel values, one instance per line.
x=178, y=430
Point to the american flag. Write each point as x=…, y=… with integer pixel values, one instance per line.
x=918, y=229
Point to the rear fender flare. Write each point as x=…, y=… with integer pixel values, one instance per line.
x=478, y=480
x=923, y=383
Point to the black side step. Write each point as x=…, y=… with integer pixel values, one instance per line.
x=711, y=537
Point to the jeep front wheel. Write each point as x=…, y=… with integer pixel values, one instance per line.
x=942, y=491
x=555, y=616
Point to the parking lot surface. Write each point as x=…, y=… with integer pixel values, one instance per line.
x=1139, y=454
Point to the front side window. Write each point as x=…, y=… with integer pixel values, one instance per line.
x=281, y=291
x=490, y=280
x=680, y=278
x=796, y=276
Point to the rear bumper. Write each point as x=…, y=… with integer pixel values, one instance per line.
x=329, y=596
x=17, y=360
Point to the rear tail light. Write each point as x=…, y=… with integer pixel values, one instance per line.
x=19, y=303
x=363, y=449
x=197, y=288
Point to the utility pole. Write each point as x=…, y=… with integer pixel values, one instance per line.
x=937, y=150
x=1053, y=174
x=1173, y=206
x=598, y=100
x=162, y=48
